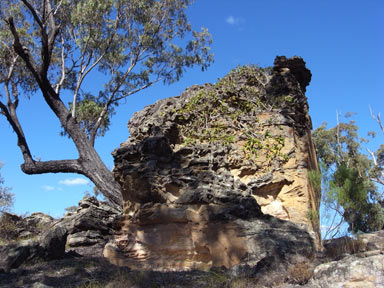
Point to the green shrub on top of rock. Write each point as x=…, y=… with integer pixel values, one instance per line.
x=228, y=112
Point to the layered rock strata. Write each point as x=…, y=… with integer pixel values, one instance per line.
x=82, y=232
x=90, y=226
x=219, y=175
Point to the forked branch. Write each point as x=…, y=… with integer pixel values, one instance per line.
x=377, y=119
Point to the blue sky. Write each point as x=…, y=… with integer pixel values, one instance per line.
x=341, y=41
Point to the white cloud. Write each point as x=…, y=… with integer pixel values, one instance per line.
x=235, y=21
x=231, y=20
x=74, y=181
x=48, y=188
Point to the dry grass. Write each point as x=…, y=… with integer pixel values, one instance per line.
x=150, y=279
x=345, y=245
x=300, y=273
x=7, y=229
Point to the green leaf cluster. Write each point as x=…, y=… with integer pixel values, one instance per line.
x=314, y=178
x=88, y=111
x=354, y=193
x=134, y=43
x=352, y=179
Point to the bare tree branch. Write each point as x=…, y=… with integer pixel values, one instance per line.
x=376, y=179
x=30, y=166
x=57, y=8
x=48, y=40
x=82, y=74
x=84, y=71
x=108, y=103
x=333, y=228
x=62, y=79
x=338, y=136
x=55, y=166
x=22, y=51
x=377, y=119
x=136, y=90
x=34, y=14
x=21, y=142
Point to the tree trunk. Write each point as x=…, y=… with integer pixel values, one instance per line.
x=89, y=163
x=89, y=160
x=101, y=176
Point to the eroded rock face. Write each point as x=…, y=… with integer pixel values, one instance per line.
x=361, y=270
x=201, y=171
x=174, y=238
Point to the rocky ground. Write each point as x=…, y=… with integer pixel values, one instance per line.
x=351, y=271
x=35, y=256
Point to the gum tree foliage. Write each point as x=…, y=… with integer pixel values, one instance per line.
x=53, y=46
x=6, y=197
x=353, y=186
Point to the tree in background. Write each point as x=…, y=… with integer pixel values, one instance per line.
x=6, y=197
x=352, y=186
x=55, y=45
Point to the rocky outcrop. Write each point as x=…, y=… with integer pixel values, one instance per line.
x=90, y=227
x=372, y=241
x=50, y=246
x=29, y=238
x=83, y=232
x=351, y=262
x=14, y=227
x=201, y=172
x=363, y=270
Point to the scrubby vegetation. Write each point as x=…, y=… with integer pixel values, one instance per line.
x=228, y=111
x=6, y=203
x=6, y=197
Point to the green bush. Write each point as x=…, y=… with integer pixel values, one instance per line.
x=6, y=197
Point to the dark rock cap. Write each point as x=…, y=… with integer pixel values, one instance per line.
x=297, y=67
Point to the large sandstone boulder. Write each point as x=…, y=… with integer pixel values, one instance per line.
x=207, y=176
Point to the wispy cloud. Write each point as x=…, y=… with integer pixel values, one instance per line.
x=230, y=20
x=48, y=188
x=74, y=181
x=234, y=21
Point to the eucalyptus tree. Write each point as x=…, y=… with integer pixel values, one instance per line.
x=354, y=179
x=53, y=46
